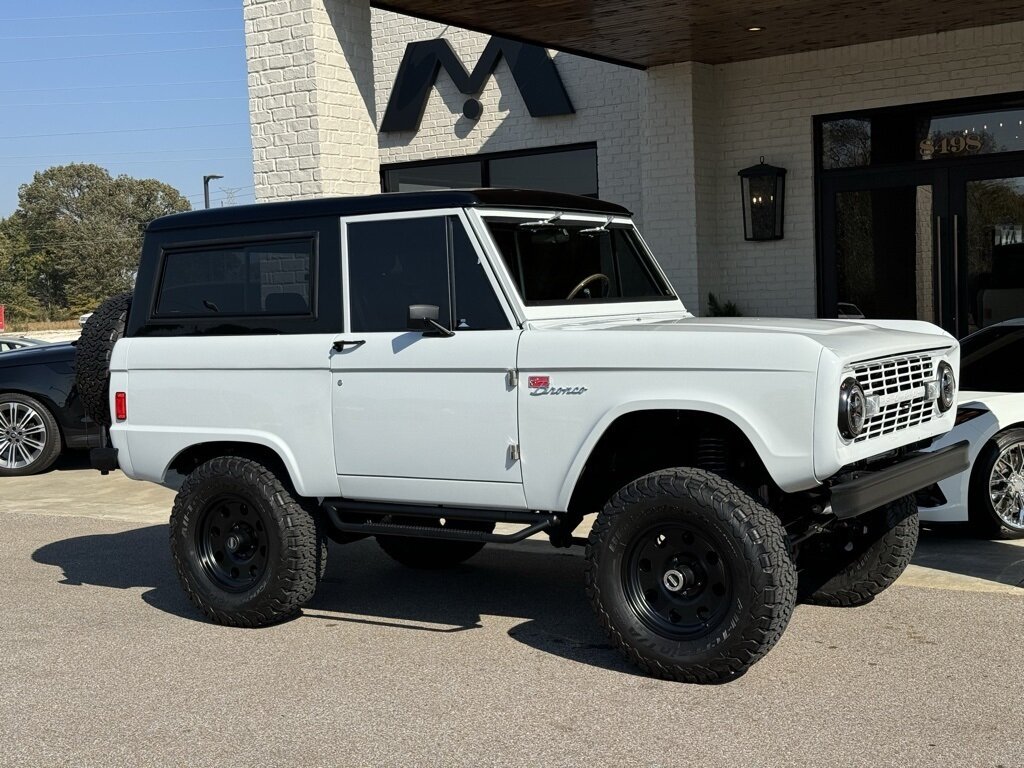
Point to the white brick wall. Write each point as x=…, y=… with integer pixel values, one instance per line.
x=765, y=107
x=311, y=98
x=606, y=98
x=669, y=141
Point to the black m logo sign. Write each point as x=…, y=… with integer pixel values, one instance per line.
x=532, y=69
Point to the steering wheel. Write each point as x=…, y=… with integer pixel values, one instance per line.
x=587, y=281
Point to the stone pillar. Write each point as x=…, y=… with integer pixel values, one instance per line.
x=311, y=98
x=678, y=175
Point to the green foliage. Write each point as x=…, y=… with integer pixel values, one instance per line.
x=716, y=309
x=75, y=239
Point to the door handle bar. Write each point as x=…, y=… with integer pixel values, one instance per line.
x=342, y=344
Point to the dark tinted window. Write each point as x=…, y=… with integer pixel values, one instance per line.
x=393, y=264
x=990, y=360
x=241, y=280
x=574, y=172
x=476, y=305
x=550, y=262
x=439, y=176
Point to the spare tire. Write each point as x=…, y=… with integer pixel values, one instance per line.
x=92, y=356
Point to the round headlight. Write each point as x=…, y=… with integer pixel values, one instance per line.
x=947, y=387
x=852, y=409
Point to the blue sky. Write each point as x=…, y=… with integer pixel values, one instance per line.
x=111, y=82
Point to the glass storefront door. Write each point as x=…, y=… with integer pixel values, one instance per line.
x=881, y=256
x=988, y=205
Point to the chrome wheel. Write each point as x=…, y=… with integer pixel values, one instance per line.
x=1006, y=486
x=22, y=435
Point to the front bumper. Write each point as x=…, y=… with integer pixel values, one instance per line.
x=873, y=489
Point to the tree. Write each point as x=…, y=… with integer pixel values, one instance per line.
x=81, y=232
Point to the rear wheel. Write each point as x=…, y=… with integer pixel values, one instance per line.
x=996, y=506
x=29, y=436
x=859, y=558
x=431, y=554
x=689, y=576
x=248, y=553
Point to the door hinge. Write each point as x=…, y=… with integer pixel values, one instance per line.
x=513, y=379
x=513, y=452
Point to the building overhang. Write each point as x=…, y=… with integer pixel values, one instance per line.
x=650, y=33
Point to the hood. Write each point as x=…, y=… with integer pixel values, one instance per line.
x=44, y=353
x=847, y=339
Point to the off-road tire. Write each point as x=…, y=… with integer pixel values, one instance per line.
x=92, y=355
x=757, y=601
x=433, y=554
x=52, y=442
x=983, y=518
x=862, y=558
x=296, y=545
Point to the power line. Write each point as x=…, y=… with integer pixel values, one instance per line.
x=179, y=151
x=120, y=53
x=142, y=162
x=124, y=101
x=122, y=14
x=124, y=34
x=119, y=86
x=120, y=130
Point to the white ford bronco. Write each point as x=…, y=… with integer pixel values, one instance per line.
x=422, y=367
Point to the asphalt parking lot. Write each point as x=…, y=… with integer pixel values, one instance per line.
x=103, y=661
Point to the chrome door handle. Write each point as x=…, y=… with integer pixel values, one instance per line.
x=341, y=345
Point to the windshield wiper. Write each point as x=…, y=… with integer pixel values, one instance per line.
x=597, y=230
x=542, y=222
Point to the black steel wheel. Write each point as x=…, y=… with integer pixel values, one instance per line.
x=690, y=577
x=232, y=543
x=247, y=550
x=676, y=580
x=859, y=558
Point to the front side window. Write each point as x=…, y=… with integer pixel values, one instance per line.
x=557, y=263
x=244, y=280
x=395, y=263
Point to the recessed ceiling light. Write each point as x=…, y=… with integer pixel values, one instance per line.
x=755, y=29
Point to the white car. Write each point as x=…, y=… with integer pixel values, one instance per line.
x=989, y=495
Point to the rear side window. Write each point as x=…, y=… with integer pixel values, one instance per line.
x=251, y=279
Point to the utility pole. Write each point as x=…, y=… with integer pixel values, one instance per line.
x=206, y=187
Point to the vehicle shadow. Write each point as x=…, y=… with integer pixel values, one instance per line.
x=530, y=581
x=952, y=549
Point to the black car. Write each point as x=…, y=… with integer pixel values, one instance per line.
x=40, y=411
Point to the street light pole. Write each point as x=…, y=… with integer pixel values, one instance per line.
x=206, y=187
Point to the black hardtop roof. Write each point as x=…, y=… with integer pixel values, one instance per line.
x=390, y=202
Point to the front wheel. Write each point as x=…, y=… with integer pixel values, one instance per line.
x=29, y=437
x=996, y=497
x=247, y=552
x=689, y=576
x=859, y=558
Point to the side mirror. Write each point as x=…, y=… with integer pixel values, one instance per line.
x=423, y=317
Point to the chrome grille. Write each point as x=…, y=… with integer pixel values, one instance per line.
x=891, y=377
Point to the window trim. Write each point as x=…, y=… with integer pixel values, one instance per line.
x=168, y=249
x=441, y=213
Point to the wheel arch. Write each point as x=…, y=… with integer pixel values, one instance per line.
x=52, y=407
x=187, y=459
x=673, y=428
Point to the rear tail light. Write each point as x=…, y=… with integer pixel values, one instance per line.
x=121, y=406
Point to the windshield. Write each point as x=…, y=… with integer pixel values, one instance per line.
x=556, y=263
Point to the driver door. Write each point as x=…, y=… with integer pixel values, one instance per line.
x=424, y=417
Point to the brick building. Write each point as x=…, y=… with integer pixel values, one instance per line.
x=902, y=135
